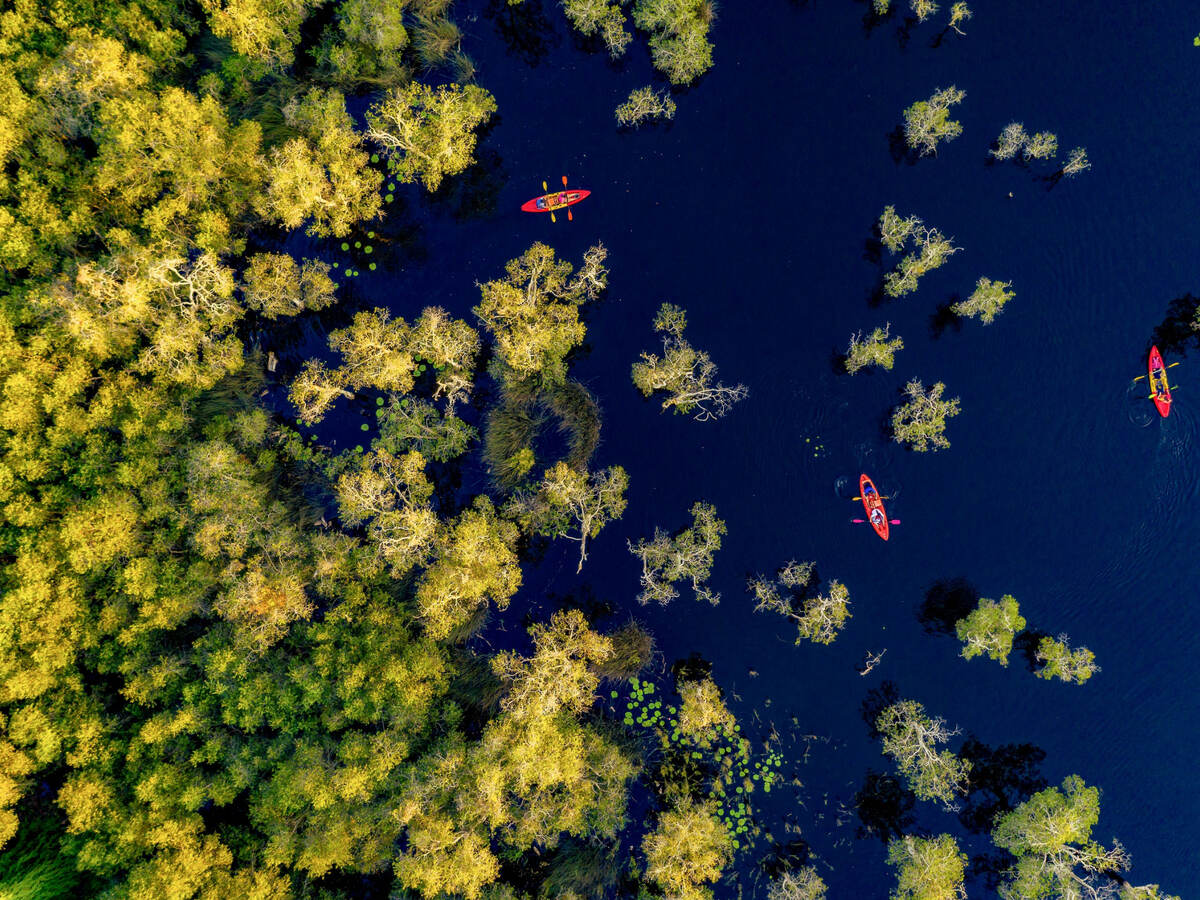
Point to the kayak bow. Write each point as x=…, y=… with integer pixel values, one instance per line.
x=873, y=504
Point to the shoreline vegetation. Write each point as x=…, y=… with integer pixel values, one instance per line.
x=236, y=656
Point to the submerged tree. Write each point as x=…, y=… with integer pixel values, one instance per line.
x=572, y=504
x=1060, y=661
x=1077, y=162
x=877, y=349
x=921, y=422
x=1041, y=145
x=959, y=13
x=927, y=122
x=686, y=375
x=591, y=17
x=688, y=556
x=429, y=133
x=986, y=301
x=644, y=103
x=819, y=617
x=1011, y=141
x=797, y=884
x=911, y=738
x=932, y=250
x=679, y=44
x=928, y=868
x=533, y=312
x=1050, y=834
x=923, y=9
x=990, y=628
x=702, y=712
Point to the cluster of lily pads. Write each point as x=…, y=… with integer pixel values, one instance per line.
x=734, y=771
x=391, y=185
x=366, y=249
x=815, y=445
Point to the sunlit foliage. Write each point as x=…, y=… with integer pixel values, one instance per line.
x=989, y=629
x=928, y=122
x=644, y=104
x=668, y=560
x=878, y=348
x=921, y=421
x=986, y=301
x=927, y=868
x=1059, y=660
x=911, y=738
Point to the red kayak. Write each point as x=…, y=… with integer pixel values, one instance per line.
x=551, y=202
x=873, y=504
x=1161, y=390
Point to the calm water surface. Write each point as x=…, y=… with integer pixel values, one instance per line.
x=753, y=210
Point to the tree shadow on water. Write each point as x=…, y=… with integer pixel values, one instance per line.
x=1026, y=643
x=1175, y=334
x=947, y=601
x=944, y=318
x=1000, y=779
x=693, y=668
x=884, y=807
x=877, y=700
x=898, y=147
x=525, y=29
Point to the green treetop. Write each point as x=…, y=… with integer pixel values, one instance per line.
x=959, y=13
x=429, y=133
x=687, y=850
x=797, y=884
x=1050, y=834
x=679, y=44
x=923, y=9
x=591, y=17
x=928, y=868
x=927, y=122
x=877, y=349
x=989, y=629
x=921, y=422
x=688, y=556
x=819, y=618
x=572, y=504
x=986, y=301
x=1060, y=661
x=686, y=375
x=533, y=313
x=643, y=104
x=702, y=712
x=911, y=738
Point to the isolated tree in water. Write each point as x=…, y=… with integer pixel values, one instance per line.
x=818, y=617
x=927, y=122
x=921, y=422
x=1077, y=162
x=686, y=375
x=911, y=738
x=591, y=17
x=928, y=868
x=688, y=556
x=1060, y=661
x=986, y=301
x=645, y=103
x=989, y=629
x=877, y=349
x=959, y=13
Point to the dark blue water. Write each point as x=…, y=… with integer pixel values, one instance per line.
x=752, y=210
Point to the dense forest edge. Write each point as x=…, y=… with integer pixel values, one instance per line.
x=235, y=659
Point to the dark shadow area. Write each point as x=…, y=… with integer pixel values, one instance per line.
x=873, y=248
x=947, y=601
x=991, y=868
x=899, y=149
x=1026, y=643
x=693, y=668
x=527, y=32
x=475, y=193
x=876, y=298
x=1176, y=334
x=944, y=318
x=1001, y=778
x=877, y=700
x=904, y=32
x=583, y=599
x=884, y=807
x=782, y=858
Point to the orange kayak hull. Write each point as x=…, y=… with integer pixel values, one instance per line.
x=872, y=501
x=1156, y=366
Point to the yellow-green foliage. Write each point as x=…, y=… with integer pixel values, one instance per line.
x=990, y=628
x=877, y=349
x=702, y=712
x=687, y=850
x=927, y=868
x=986, y=301
x=921, y=422
x=1059, y=660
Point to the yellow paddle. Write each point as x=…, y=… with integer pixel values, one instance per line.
x=1171, y=366
x=546, y=187
x=570, y=215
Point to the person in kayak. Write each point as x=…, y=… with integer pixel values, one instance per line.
x=876, y=517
